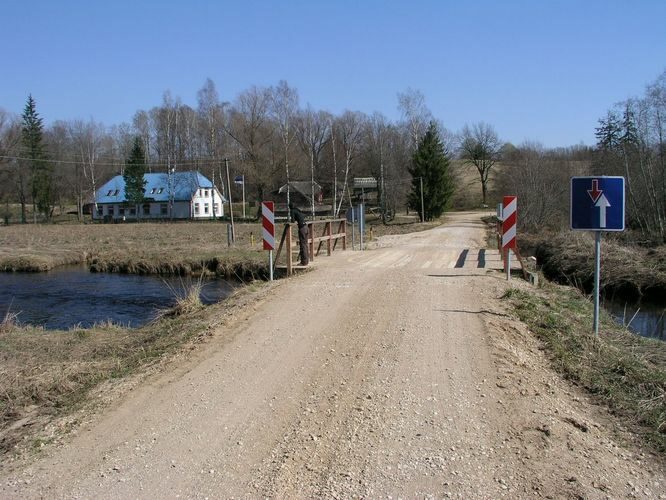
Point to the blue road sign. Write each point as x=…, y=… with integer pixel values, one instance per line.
x=597, y=203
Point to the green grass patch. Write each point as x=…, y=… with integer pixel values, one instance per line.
x=622, y=370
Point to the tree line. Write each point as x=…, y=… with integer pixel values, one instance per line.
x=265, y=134
x=270, y=138
x=630, y=143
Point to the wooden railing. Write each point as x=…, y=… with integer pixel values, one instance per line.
x=316, y=241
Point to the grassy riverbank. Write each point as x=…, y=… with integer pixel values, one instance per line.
x=47, y=376
x=622, y=370
x=182, y=248
x=627, y=271
x=142, y=248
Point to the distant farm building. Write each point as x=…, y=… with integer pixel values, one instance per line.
x=365, y=190
x=301, y=194
x=181, y=195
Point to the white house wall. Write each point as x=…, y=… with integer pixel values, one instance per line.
x=204, y=200
x=180, y=210
x=201, y=207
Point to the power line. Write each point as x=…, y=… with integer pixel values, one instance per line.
x=183, y=163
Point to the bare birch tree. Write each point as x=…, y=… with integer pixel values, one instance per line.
x=211, y=116
x=14, y=179
x=312, y=132
x=166, y=126
x=87, y=141
x=349, y=127
x=376, y=138
x=415, y=113
x=284, y=107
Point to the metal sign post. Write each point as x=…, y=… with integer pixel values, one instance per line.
x=231, y=205
x=268, y=231
x=597, y=204
x=361, y=223
x=509, y=222
x=352, y=219
x=597, y=271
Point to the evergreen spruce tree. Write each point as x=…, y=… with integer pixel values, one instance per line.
x=608, y=133
x=431, y=163
x=629, y=138
x=41, y=174
x=135, y=168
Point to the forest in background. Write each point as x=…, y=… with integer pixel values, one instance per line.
x=269, y=137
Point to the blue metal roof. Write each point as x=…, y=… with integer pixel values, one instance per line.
x=184, y=186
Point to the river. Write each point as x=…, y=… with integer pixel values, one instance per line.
x=648, y=320
x=72, y=296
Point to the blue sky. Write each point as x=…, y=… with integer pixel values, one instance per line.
x=536, y=70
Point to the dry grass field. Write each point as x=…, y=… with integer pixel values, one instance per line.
x=142, y=248
x=181, y=248
x=46, y=375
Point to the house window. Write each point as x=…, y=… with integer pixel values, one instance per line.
x=115, y=193
x=121, y=211
x=110, y=211
x=196, y=209
x=164, y=208
x=152, y=191
x=215, y=210
x=133, y=211
x=100, y=211
x=146, y=209
x=205, y=208
x=110, y=192
x=159, y=191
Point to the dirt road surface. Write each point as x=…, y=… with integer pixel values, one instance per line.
x=384, y=373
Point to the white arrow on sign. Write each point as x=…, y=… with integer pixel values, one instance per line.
x=603, y=204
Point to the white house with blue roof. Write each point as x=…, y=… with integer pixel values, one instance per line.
x=181, y=195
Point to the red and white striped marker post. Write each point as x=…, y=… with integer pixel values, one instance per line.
x=509, y=220
x=268, y=230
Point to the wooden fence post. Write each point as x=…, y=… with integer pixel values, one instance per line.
x=311, y=240
x=290, y=268
x=328, y=233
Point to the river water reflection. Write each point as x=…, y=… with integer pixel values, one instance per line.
x=648, y=320
x=72, y=296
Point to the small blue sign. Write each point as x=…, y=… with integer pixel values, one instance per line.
x=597, y=203
x=351, y=216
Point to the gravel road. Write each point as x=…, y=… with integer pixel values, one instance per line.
x=386, y=373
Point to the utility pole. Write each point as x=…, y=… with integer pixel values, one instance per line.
x=382, y=202
x=243, y=196
x=422, y=209
x=231, y=206
x=212, y=194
